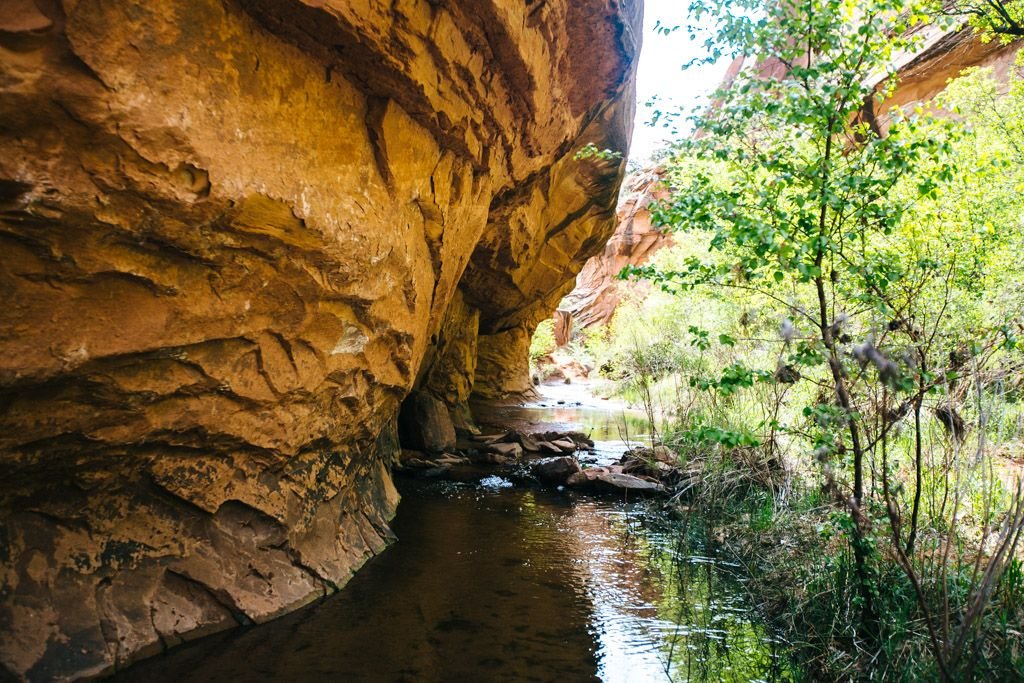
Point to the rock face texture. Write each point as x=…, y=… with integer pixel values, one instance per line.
x=598, y=290
x=236, y=235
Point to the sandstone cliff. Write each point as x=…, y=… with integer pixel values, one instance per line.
x=598, y=290
x=236, y=234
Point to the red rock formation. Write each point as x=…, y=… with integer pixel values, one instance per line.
x=598, y=290
x=236, y=235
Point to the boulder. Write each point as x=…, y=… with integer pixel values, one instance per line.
x=507, y=450
x=565, y=445
x=425, y=424
x=602, y=479
x=528, y=443
x=556, y=471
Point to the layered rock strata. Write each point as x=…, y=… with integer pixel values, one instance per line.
x=236, y=235
x=598, y=290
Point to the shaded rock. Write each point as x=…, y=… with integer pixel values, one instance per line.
x=556, y=471
x=651, y=468
x=665, y=455
x=425, y=424
x=503, y=364
x=232, y=249
x=463, y=444
x=410, y=453
x=579, y=438
x=492, y=458
x=586, y=477
x=489, y=438
x=512, y=451
x=418, y=464
x=528, y=443
x=565, y=445
x=450, y=459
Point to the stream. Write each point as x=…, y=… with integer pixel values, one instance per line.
x=491, y=581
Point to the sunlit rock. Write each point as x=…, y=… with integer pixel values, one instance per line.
x=235, y=237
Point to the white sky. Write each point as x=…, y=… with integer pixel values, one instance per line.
x=660, y=74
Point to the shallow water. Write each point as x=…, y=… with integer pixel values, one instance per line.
x=613, y=426
x=491, y=582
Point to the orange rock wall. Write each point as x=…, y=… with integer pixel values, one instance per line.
x=235, y=235
x=598, y=290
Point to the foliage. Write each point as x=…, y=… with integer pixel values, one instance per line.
x=590, y=151
x=1002, y=19
x=543, y=341
x=846, y=295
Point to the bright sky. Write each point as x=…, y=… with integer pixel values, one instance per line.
x=661, y=75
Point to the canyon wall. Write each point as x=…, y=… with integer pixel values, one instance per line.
x=598, y=289
x=236, y=235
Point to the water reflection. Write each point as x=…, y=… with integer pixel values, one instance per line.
x=663, y=608
x=506, y=584
x=613, y=426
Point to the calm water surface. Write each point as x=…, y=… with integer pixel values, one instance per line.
x=490, y=582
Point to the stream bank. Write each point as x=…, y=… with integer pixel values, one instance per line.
x=502, y=581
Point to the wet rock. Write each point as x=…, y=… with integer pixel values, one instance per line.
x=490, y=458
x=565, y=445
x=462, y=418
x=556, y=471
x=604, y=479
x=506, y=450
x=425, y=424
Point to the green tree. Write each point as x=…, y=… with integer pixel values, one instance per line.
x=805, y=198
x=991, y=18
